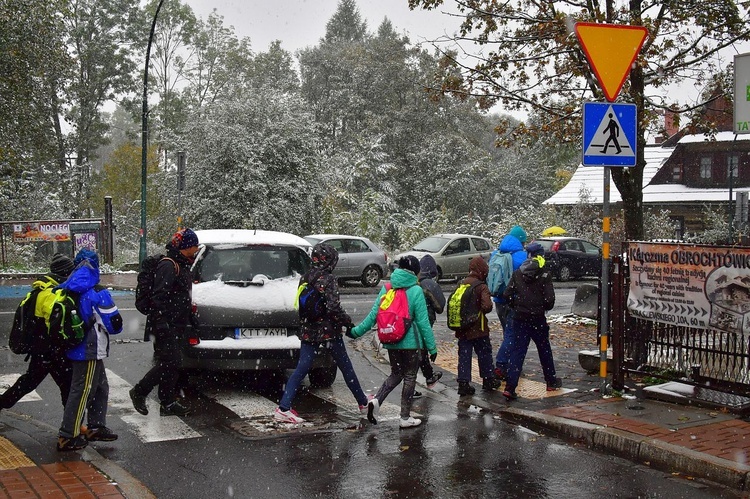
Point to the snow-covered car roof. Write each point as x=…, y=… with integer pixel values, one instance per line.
x=247, y=236
x=333, y=236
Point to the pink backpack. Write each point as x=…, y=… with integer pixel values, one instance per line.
x=393, y=318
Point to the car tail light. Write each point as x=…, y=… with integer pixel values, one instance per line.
x=193, y=341
x=555, y=246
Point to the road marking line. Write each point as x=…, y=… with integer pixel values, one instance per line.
x=8, y=380
x=150, y=428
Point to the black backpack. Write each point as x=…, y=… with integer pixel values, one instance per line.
x=309, y=302
x=145, y=287
x=28, y=330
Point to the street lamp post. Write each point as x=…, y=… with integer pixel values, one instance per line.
x=144, y=138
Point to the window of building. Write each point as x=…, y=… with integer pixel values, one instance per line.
x=733, y=165
x=677, y=172
x=706, y=167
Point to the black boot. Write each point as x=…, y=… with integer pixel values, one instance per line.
x=491, y=384
x=465, y=388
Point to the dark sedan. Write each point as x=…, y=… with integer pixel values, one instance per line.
x=571, y=257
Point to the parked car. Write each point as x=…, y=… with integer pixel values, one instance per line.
x=245, y=283
x=571, y=257
x=452, y=253
x=359, y=258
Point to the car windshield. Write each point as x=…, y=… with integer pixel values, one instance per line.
x=241, y=264
x=313, y=240
x=431, y=244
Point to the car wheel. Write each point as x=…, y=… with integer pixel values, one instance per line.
x=371, y=276
x=322, y=377
x=563, y=273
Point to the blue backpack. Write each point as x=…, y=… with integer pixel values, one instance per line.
x=501, y=270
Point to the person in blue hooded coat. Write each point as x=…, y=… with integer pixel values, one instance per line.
x=512, y=243
x=89, y=389
x=405, y=355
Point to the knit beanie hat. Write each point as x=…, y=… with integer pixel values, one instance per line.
x=518, y=233
x=184, y=239
x=61, y=265
x=409, y=262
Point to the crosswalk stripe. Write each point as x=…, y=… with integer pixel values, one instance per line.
x=340, y=396
x=150, y=428
x=8, y=380
x=245, y=405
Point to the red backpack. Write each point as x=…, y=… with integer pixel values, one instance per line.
x=393, y=319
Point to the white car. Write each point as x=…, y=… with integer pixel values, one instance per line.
x=245, y=283
x=452, y=253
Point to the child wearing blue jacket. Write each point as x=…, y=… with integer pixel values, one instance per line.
x=89, y=390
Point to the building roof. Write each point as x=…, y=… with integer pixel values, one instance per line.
x=592, y=179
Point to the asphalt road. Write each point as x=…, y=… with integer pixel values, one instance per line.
x=229, y=446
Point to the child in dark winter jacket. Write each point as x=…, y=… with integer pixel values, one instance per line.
x=435, y=300
x=321, y=323
x=530, y=293
x=476, y=337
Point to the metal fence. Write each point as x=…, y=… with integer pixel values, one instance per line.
x=707, y=358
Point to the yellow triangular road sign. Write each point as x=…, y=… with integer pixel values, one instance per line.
x=611, y=50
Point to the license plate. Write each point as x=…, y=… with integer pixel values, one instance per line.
x=260, y=332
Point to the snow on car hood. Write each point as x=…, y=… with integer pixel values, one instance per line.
x=274, y=295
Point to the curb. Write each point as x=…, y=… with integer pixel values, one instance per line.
x=130, y=486
x=651, y=452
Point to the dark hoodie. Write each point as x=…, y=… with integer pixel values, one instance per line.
x=433, y=294
x=530, y=291
x=332, y=318
x=478, y=270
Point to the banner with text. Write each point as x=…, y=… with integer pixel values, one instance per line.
x=41, y=231
x=690, y=285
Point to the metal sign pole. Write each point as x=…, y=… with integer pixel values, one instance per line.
x=604, y=326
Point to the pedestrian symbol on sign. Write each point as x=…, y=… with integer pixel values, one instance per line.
x=609, y=134
x=608, y=140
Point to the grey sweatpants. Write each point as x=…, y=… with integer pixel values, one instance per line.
x=89, y=390
x=404, y=366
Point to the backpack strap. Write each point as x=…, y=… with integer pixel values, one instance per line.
x=176, y=265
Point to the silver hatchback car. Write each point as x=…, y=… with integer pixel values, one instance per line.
x=452, y=253
x=245, y=283
x=359, y=258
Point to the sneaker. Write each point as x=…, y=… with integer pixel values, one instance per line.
x=289, y=416
x=363, y=408
x=173, y=409
x=500, y=373
x=409, y=422
x=139, y=402
x=510, y=394
x=491, y=384
x=465, y=388
x=432, y=380
x=100, y=434
x=555, y=385
x=417, y=395
x=65, y=444
x=373, y=408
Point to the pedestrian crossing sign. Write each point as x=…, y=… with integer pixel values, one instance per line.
x=609, y=134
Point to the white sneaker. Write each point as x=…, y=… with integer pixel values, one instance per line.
x=289, y=416
x=373, y=408
x=409, y=422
